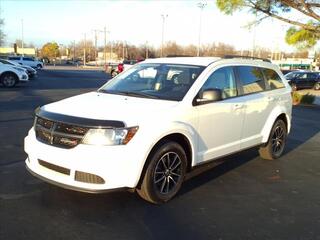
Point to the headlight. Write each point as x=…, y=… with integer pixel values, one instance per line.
x=109, y=136
x=19, y=69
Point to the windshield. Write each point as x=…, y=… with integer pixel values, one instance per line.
x=291, y=75
x=159, y=81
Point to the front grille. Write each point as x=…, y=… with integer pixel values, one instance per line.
x=88, y=178
x=54, y=167
x=58, y=134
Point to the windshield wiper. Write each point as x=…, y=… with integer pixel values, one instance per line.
x=136, y=94
x=130, y=94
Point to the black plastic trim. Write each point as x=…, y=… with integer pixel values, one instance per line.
x=78, y=189
x=85, y=122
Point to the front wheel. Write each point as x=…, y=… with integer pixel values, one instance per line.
x=9, y=80
x=276, y=143
x=164, y=174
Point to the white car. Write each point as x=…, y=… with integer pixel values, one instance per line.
x=145, y=131
x=11, y=75
x=30, y=71
x=29, y=61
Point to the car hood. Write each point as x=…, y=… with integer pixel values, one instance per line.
x=102, y=106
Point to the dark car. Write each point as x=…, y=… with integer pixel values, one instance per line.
x=303, y=79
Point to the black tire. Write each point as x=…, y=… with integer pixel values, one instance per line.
x=9, y=79
x=39, y=66
x=273, y=149
x=294, y=87
x=160, y=182
x=317, y=86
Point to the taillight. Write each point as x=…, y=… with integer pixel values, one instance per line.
x=120, y=67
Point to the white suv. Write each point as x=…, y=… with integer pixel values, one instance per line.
x=29, y=61
x=11, y=75
x=147, y=128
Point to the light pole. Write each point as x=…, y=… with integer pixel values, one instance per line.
x=164, y=16
x=22, y=37
x=84, y=50
x=201, y=5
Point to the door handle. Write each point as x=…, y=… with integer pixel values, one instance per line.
x=272, y=99
x=238, y=106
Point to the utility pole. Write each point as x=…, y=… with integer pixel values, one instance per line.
x=105, y=45
x=123, y=50
x=22, y=37
x=95, y=44
x=164, y=16
x=147, y=51
x=201, y=5
x=84, y=50
x=74, y=50
x=254, y=36
x=110, y=47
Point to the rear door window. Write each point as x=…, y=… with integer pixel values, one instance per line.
x=27, y=59
x=273, y=79
x=14, y=58
x=251, y=78
x=311, y=76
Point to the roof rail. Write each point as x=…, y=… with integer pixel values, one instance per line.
x=246, y=57
x=177, y=55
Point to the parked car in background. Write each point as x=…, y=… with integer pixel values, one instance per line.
x=29, y=61
x=30, y=71
x=303, y=79
x=126, y=64
x=11, y=75
x=153, y=124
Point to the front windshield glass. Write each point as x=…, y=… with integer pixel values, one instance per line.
x=159, y=81
x=291, y=75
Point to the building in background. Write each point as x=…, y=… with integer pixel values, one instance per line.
x=6, y=51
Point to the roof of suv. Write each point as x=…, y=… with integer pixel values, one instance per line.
x=201, y=61
x=205, y=61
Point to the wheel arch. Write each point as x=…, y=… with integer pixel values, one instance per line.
x=177, y=137
x=278, y=113
x=10, y=72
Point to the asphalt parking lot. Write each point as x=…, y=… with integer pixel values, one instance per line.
x=243, y=198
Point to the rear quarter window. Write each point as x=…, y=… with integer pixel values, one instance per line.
x=251, y=78
x=273, y=79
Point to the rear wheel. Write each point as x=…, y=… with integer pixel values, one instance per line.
x=317, y=86
x=9, y=80
x=276, y=143
x=165, y=173
x=294, y=87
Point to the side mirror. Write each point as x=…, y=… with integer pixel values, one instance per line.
x=209, y=95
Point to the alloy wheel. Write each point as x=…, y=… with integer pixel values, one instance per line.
x=9, y=80
x=168, y=173
x=278, y=138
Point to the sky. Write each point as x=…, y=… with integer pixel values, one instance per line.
x=136, y=22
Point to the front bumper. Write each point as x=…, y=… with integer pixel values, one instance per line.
x=24, y=78
x=78, y=189
x=119, y=166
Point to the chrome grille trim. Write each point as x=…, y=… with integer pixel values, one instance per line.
x=48, y=133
